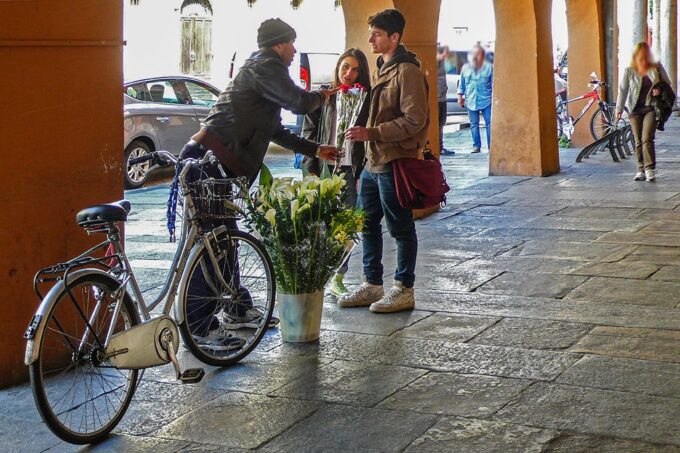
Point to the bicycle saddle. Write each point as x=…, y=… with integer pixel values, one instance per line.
x=104, y=213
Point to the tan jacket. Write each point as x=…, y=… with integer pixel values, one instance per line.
x=399, y=114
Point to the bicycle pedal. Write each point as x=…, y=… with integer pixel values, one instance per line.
x=192, y=376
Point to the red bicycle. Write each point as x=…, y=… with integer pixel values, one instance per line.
x=603, y=120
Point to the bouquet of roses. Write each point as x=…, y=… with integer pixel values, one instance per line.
x=350, y=100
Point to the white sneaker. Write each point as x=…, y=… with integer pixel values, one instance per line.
x=649, y=174
x=398, y=298
x=639, y=176
x=362, y=296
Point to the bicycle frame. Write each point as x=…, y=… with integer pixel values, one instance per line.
x=592, y=96
x=123, y=273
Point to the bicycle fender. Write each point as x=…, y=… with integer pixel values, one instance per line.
x=178, y=312
x=36, y=327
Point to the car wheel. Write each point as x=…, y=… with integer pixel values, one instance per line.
x=136, y=175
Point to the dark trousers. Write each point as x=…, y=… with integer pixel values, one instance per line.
x=351, y=201
x=644, y=131
x=202, y=302
x=378, y=199
x=442, y=123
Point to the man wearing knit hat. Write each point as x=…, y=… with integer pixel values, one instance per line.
x=246, y=116
x=238, y=129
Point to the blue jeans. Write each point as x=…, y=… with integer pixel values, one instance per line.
x=378, y=199
x=474, y=126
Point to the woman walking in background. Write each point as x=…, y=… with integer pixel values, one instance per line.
x=638, y=86
x=322, y=126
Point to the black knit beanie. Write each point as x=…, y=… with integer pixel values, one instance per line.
x=273, y=32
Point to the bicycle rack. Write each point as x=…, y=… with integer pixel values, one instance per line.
x=616, y=142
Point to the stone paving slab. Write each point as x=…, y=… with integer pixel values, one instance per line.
x=628, y=291
x=619, y=269
x=239, y=420
x=641, y=238
x=558, y=310
x=346, y=428
x=636, y=343
x=626, y=375
x=354, y=383
x=570, y=443
x=667, y=274
x=451, y=434
x=595, y=411
x=532, y=285
x=532, y=334
x=452, y=327
x=560, y=222
x=582, y=251
x=456, y=394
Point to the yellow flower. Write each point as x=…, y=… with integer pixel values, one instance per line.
x=271, y=216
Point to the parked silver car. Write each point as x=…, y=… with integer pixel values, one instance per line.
x=161, y=113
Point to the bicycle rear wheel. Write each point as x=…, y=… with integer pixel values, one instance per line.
x=79, y=394
x=225, y=318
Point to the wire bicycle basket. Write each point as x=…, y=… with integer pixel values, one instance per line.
x=219, y=199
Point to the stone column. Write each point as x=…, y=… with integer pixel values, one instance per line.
x=656, y=28
x=524, y=138
x=669, y=36
x=420, y=36
x=63, y=60
x=639, y=21
x=586, y=56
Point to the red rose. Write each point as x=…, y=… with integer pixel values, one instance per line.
x=359, y=86
x=345, y=88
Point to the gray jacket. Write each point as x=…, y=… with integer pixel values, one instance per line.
x=247, y=114
x=631, y=83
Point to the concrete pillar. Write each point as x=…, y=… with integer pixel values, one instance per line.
x=639, y=21
x=611, y=48
x=669, y=35
x=524, y=138
x=63, y=140
x=656, y=28
x=586, y=55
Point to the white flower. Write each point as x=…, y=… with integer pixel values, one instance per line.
x=271, y=216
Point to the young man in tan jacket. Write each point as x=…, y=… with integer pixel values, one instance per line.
x=397, y=128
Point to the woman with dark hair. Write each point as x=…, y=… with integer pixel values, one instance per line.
x=322, y=127
x=640, y=83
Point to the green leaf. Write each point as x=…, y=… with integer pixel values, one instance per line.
x=266, y=178
x=325, y=172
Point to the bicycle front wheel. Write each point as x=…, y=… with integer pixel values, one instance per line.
x=227, y=304
x=602, y=123
x=79, y=394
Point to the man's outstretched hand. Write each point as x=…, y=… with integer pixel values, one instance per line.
x=328, y=152
x=357, y=134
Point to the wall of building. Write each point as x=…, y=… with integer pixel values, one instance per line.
x=63, y=141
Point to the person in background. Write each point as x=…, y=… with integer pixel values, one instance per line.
x=321, y=126
x=636, y=89
x=474, y=93
x=397, y=128
x=442, y=88
x=238, y=129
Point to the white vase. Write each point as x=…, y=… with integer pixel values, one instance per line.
x=300, y=316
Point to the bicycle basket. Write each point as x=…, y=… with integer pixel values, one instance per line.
x=219, y=199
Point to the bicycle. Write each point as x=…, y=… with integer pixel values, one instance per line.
x=90, y=337
x=603, y=120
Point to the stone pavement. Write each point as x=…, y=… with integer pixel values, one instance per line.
x=547, y=320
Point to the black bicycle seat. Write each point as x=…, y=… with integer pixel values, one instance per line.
x=104, y=213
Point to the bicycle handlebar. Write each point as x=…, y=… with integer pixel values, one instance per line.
x=162, y=157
